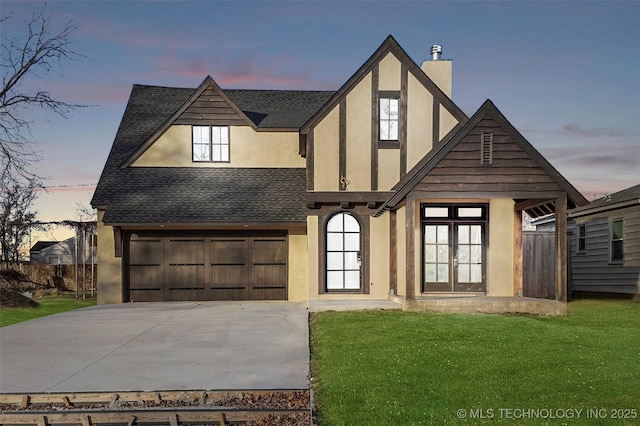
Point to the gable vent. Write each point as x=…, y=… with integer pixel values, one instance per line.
x=486, y=150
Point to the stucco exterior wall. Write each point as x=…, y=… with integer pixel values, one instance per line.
x=109, y=267
x=389, y=77
x=326, y=152
x=359, y=137
x=388, y=168
x=500, y=252
x=447, y=122
x=379, y=257
x=419, y=122
x=297, y=262
x=247, y=148
x=440, y=72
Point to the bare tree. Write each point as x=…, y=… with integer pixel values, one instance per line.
x=17, y=219
x=39, y=52
x=24, y=60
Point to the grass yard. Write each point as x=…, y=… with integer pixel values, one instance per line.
x=391, y=368
x=48, y=305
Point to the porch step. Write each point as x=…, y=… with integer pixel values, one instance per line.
x=489, y=305
x=353, y=305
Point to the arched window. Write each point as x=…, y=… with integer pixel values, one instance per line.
x=344, y=253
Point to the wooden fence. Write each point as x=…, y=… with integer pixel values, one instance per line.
x=539, y=264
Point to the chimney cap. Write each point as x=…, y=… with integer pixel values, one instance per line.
x=436, y=51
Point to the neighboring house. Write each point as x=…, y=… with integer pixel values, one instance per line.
x=605, y=246
x=384, y=187
x=53, y=252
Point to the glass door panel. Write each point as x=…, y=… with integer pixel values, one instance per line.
x=468, y=260
x=437, y=253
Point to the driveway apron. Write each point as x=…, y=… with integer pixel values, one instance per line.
x=159, y=346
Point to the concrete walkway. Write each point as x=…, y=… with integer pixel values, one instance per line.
x=159, y=346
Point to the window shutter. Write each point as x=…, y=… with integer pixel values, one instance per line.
x=486, y=150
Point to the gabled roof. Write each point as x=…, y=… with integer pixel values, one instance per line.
x=626, y=197
x=389, y=45
x=439, y=151
x=151, y=107
x=259, y=109
x=41, y=245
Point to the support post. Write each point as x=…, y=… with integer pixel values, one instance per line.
x=411, y=248
x=517, y=264
x=561, y=248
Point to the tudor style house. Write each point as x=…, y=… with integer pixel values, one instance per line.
x=383, y=188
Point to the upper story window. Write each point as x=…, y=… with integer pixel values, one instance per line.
x=211, y=143
x=389, y=110
x=617, y=248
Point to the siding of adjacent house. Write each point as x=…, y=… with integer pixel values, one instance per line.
x=592, y=271
x=62, y=253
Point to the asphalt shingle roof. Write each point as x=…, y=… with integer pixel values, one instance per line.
x=626, y=195
x=203, y=195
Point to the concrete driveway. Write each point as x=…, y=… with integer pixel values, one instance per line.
x=159, y=346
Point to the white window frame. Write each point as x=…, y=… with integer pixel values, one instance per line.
x=210, y=144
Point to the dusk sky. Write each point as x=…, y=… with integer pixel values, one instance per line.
x=565, y=74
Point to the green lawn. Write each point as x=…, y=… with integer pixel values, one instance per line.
x=391, y=368
x=49, y=305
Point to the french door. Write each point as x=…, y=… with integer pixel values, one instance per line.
x=454, y=243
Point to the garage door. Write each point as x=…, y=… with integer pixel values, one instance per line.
x=209, y=267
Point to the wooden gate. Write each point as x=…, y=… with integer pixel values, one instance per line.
x=539, y=264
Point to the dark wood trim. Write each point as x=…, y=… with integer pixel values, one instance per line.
x=517, y=257
x=435, y=135
x=390, y=45
x=484, y=194
x=208, y=226
x=529, y=204
x=561, y=248
x=391, y=94
x=375, y=125
x=393, y=253
x=402, y=118
x=328, y=208
x=310, y=161
x=350, y=196
x=117, y=241
x=410, y=228
x=386, y=145
x=365, y=242
x=302, y=145
x=342, y=147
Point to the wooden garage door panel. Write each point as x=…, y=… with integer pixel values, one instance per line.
x=268, y=279
x=184, y=269
x=146, y=269
x=228, y=271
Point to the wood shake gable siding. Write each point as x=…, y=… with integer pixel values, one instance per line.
x=211, y=109
x=511, y=169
